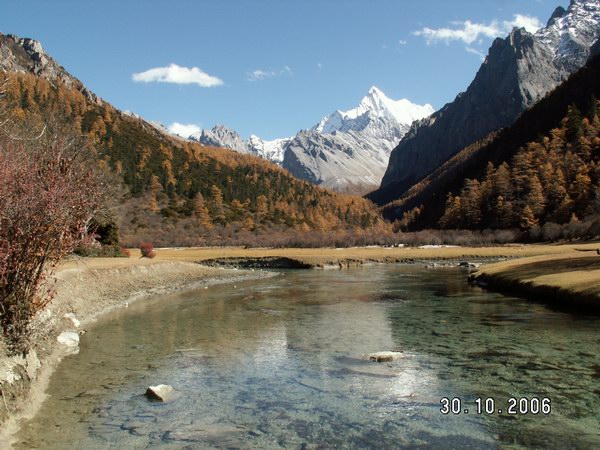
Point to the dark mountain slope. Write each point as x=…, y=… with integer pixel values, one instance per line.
x=518, y=71
x=471, y=163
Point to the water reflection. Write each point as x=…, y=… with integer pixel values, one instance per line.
x=278, y=363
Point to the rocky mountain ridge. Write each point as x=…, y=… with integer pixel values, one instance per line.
x=518, y=71
x=27, y=55
x=345, y=151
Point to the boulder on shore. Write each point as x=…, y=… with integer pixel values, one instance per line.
x=69, y=338
x=161, y=392
x=468, y=264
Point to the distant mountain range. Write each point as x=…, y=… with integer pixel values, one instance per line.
x=175, y=192
x=349, y=151
x=518, y=71
x=346, y=151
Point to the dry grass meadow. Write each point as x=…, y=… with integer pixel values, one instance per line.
x=317, y=256
x=575, y=274
x=574, y=268
x=320, y=256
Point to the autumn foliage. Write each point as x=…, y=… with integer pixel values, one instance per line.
x=554, y=180
x=47, y=198
x=182, y=193
x=147, y=250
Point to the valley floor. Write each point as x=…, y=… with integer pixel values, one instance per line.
x=342, y=257
x=567, y=275
x=89, y=287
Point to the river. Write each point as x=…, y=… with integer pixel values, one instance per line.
x=278, y=363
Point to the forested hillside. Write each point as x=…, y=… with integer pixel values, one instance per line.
x=555, y=179
x=181, y=193
x=543, y=169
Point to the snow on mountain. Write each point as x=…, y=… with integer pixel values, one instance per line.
x=569, y=33
x=345, y=151
x=271, y=150
x=518, y=71
x=221, y=136
x=377, y=105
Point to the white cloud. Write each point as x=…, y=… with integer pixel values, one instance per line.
x=177, y=75
x=260, y=74
x=402, y=42
x=469, y=32
x=530, y=23
x=475, y=52
x=319, y=66
x=184, y=130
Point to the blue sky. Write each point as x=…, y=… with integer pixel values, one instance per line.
x=267, y=67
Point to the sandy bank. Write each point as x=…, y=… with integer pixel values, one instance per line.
x=86, y=289
x=570, y=281
x=354, y=256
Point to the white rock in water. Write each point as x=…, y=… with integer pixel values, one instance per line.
x=68, y=338
x=162, y=392
x=384, y=356
x=73, y=319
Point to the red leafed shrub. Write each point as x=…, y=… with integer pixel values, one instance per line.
x=147, y=249
x=125, y=252
x=48, y=195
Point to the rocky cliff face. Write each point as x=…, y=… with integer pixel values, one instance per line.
x=595, y=50
x=341, y=161
x=518, y=71
x=27, y=55
x=221, y=136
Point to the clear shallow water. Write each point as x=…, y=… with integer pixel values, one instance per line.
x=277, y=363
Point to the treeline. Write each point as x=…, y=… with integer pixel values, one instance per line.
x=555, y=179
x=179, y=192
x=516, y=177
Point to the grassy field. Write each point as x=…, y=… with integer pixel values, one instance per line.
x=569, y=280
x=324, y=256
x=571, y=275
x=561, y=272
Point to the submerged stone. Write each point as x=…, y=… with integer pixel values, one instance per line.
x=384, y=356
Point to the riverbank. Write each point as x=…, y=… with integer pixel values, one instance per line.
x=86, y=289
x=89, y=287
x=569, y=281
x=354, y=256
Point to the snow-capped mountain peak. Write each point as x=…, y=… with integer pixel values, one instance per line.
x=377, y=105
x=403, y=111
x=346, y=150
x=271, y=150
x=570, y=31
